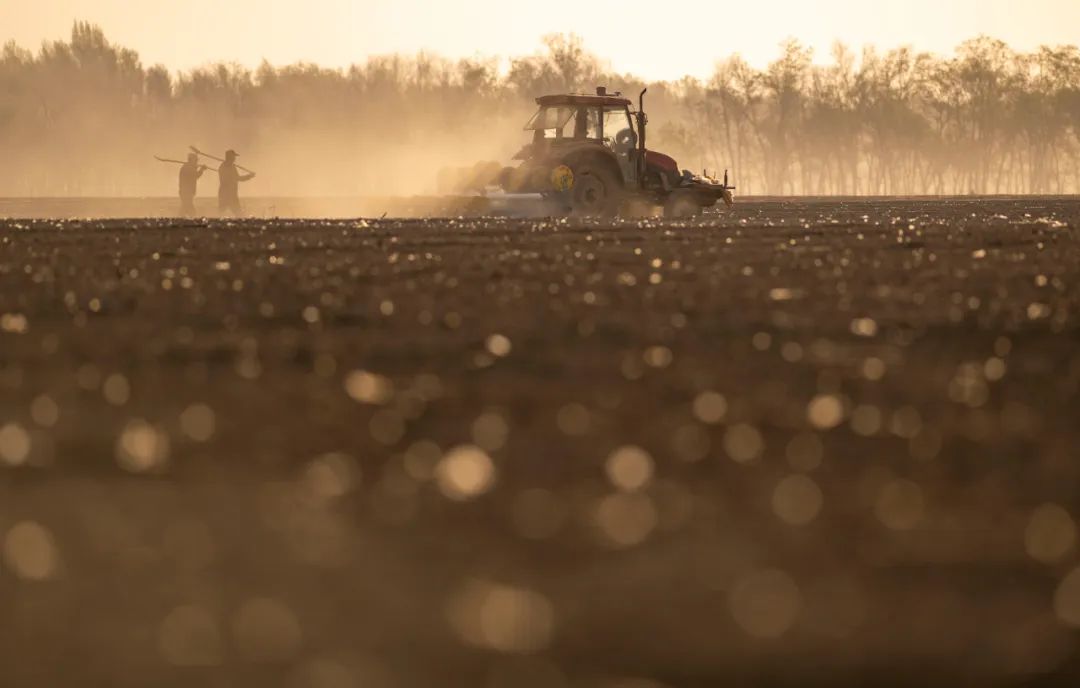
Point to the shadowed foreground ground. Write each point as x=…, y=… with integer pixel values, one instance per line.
x=796, y=444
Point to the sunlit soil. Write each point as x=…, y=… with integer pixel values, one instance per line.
x=793, y=443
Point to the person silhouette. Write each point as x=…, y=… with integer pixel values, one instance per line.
x=229, y=184
x=190, y=172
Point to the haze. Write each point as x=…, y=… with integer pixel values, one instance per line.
x=85, y=113
x=684, y=38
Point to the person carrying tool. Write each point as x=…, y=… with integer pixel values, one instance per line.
x=190, y=172
x=229, y=188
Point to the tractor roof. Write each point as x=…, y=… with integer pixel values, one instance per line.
x=583, y=99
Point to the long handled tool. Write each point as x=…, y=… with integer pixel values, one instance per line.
x=214, y=157
x=181, y=162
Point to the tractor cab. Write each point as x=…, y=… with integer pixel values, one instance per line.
x=574, y=121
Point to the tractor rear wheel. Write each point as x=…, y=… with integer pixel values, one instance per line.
x=681, y=204
x=596, y=191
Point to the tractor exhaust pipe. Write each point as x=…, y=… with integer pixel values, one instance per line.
x=641, y=121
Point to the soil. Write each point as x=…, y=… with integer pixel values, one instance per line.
x=796, y=442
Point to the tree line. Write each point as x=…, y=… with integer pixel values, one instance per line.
x=83, y=116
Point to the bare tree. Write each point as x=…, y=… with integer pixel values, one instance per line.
x=81, y=117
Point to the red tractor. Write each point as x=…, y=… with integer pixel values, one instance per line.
x=588, y=155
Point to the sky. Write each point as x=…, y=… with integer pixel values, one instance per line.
x=657, y=39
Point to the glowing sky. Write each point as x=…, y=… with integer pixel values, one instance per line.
x=685, y=37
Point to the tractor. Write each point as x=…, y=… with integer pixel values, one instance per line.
x=588, y=156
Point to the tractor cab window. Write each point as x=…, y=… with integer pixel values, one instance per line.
x=585, y=124
x=619, y=134
x=576, y=122
x=552, y=121
x=590, y=123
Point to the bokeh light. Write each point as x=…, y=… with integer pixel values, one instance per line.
x=797, y=500
x=900, y=505
x=765, y=603
x=30, y=551
x=368, y=388
x=1050, y=534
x=465, y=472
x=14, y=444
x=501, y=617
x=743, y=443
x=142, y=447
x=629, y=468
